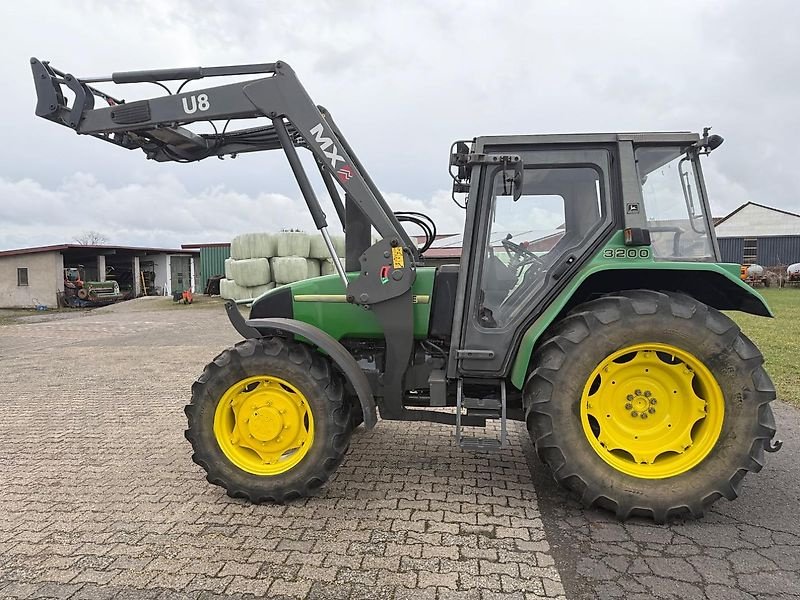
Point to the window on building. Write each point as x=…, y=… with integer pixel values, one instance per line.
x=22, y=276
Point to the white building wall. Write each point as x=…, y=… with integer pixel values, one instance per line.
x=45, y=280
x=161, y=269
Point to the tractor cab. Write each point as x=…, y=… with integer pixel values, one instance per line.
x=530, y=228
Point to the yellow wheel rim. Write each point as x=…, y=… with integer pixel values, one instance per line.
x=652, y=411
x=264, y=425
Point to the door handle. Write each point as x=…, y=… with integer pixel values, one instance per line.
x=563, y=267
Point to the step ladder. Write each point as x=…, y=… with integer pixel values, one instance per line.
x=490, y=408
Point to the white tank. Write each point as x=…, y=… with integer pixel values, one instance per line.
x=755, y=271
x=793, y=269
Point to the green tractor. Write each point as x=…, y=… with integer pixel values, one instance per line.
x=586, y=304
x=81, y=293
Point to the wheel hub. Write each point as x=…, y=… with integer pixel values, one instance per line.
x=652, y=410
x=264, y=425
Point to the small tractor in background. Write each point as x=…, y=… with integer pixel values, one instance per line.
x=79, y=293
x=611, y=347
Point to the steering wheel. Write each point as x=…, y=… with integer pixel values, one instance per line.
x=519, y=254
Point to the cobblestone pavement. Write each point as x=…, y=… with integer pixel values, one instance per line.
x=99, y=498
x=743, y=550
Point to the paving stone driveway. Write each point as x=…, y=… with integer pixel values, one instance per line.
x=99, y=497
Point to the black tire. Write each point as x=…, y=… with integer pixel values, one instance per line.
x=312, y=375
x=575, y=346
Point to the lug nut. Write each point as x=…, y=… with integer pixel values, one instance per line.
x=638, y=392
x=634, y=413
x=630, y=398
x=653, y=401
x=647, y=394
x=628, y=406
x=651, y=410
x=644, y=415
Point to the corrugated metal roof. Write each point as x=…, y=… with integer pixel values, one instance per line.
x=757, y=220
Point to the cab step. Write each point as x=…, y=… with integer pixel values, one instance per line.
x=490, y=408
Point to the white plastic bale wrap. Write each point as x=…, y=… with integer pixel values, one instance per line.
x=288, y=269
x=292, y=243
x=229, y=290
x=228, y=274
x=255, y=292
x=793, y=269
x=328, y=268
x=253, y=245
x=250, y=272
x=313, y=266
x=318, y=248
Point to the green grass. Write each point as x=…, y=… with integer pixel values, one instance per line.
x=778, y=339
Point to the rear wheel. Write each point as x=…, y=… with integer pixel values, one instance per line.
x=649, y=404
x=268, y=421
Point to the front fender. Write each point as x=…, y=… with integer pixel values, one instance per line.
x=344, y=361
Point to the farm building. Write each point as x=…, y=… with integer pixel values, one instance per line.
x=448, y=247
x=34, y=276
x=758, y=234
x=212, y=261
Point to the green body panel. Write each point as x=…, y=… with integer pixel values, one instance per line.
x=344, y=320
x=601, y=263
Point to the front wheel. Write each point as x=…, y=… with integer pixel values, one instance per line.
x=268, y=420
x=649, y=404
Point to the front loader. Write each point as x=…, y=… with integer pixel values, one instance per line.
x=586, y=304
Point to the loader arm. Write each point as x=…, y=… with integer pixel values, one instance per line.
x=158, y=126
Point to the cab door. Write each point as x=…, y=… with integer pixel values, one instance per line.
x=521, y=253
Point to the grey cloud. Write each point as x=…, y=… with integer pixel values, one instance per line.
x=405, y=80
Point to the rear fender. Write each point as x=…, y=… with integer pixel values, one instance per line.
x=715, y=284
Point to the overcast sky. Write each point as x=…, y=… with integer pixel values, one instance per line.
x=403, y=80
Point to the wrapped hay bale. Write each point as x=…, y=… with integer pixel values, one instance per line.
x=292, y=243
x=229, y=290
x=313, y=267
x=327, y=267
x=288, y=269
x=262, y=245
x=338, y=244
x=253, y=245
x=255, y=292
x=250, y=272
x=228, y=262
x=318, y=249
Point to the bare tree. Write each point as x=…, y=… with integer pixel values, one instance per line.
x=91, y=238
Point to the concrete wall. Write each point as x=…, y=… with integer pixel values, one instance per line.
x=45, y=279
